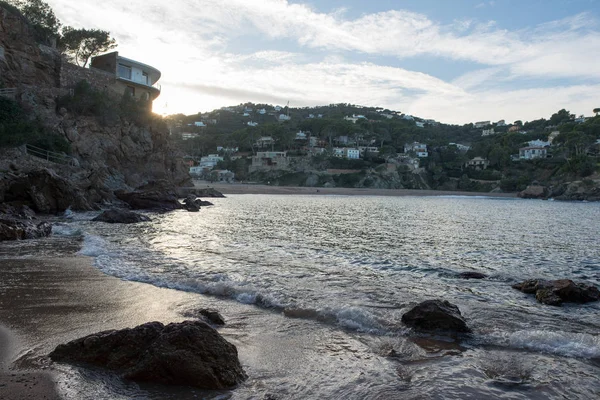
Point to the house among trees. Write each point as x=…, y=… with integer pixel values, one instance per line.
x=478, y=163
x=532, y=152
x=132, y=77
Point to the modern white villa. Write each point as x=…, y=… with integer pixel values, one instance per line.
x=133, y=77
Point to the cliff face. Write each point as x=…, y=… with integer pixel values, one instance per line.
x=120, y=155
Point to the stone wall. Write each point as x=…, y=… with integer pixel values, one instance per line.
x=71, y=74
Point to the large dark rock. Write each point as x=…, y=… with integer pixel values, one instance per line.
x=199, y=192
x=556, y=292
x=47, y=192
x=436, y=315
x=19, y=222
x=534, y=192
x=150, y=200
x=191, y=203
x=187, y=353
x=119, y=216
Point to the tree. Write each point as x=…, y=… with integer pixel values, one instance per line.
x=596, y=111
x=40, y=16
x=82, y=44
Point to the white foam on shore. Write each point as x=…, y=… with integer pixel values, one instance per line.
x=60, y=229
x=570, y=344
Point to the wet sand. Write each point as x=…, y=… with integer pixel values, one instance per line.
x=45, y=302
x=244, y=188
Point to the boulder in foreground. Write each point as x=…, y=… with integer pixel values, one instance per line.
x=118, y=216
x=436, y=315
x=188, y=353
x=559, y=291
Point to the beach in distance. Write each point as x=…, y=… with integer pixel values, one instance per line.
x=251, y=188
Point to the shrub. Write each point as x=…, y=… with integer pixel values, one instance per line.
x=16, y=130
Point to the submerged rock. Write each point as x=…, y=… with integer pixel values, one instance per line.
x=188, y=353
x=436, y=315
x=472, y=275
x=119, y=216
x=556, y=292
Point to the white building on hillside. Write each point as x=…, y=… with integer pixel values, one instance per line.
x=530, y=153
x=210, y=161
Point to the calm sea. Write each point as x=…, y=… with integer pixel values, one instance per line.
x=316, y=287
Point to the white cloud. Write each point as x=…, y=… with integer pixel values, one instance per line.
x=309, y=57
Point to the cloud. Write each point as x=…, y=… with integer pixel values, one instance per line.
x=273, y=50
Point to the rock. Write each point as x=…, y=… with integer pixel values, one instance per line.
x=188, y=353
x=47, y=192
x=150, y=200
x=588, y=190
x=119, y=216
x=19, y=229
x=191, y=203
x=556, y=292
x=436, y=315
x=472, y=275
x=212, y=316
x=534, y=192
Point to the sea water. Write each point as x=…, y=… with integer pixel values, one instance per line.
x=316, y=287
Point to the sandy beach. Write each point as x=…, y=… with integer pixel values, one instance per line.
x=246, y=188
x=45, y=302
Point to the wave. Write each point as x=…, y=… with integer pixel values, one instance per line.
x=569, y=344
x=61, y=229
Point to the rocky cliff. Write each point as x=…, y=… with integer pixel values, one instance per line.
x=120, y=155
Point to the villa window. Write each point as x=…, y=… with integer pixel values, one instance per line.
x=130, y=90
x=124, y=71
x=145, y=80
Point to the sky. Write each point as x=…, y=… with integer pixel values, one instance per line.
x=455, y=61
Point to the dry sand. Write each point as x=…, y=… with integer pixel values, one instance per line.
x=242, y=188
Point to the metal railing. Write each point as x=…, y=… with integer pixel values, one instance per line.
x=58, y=158
x=9, y=92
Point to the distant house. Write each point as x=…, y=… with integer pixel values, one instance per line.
x=460, y=147
x=368, y=149
x=488, y=132
x=532, y=152
x=538, y=143
x=283, y=117
x=246, y=114
x=223, y=175
x=501, y=123
x=200, y=124
x=338, y=152
x=419, y=148
x=482, y=124
x=210, y=161
x=352, y=154
x=420, y=124
x=477, y=163
x=277, y=108
x=407, y=117
x=228, y=150
x=311, y=116
x=252, y=123
x=301, y=135
x=262, y=111
x=265, y=141
x=352, y=119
